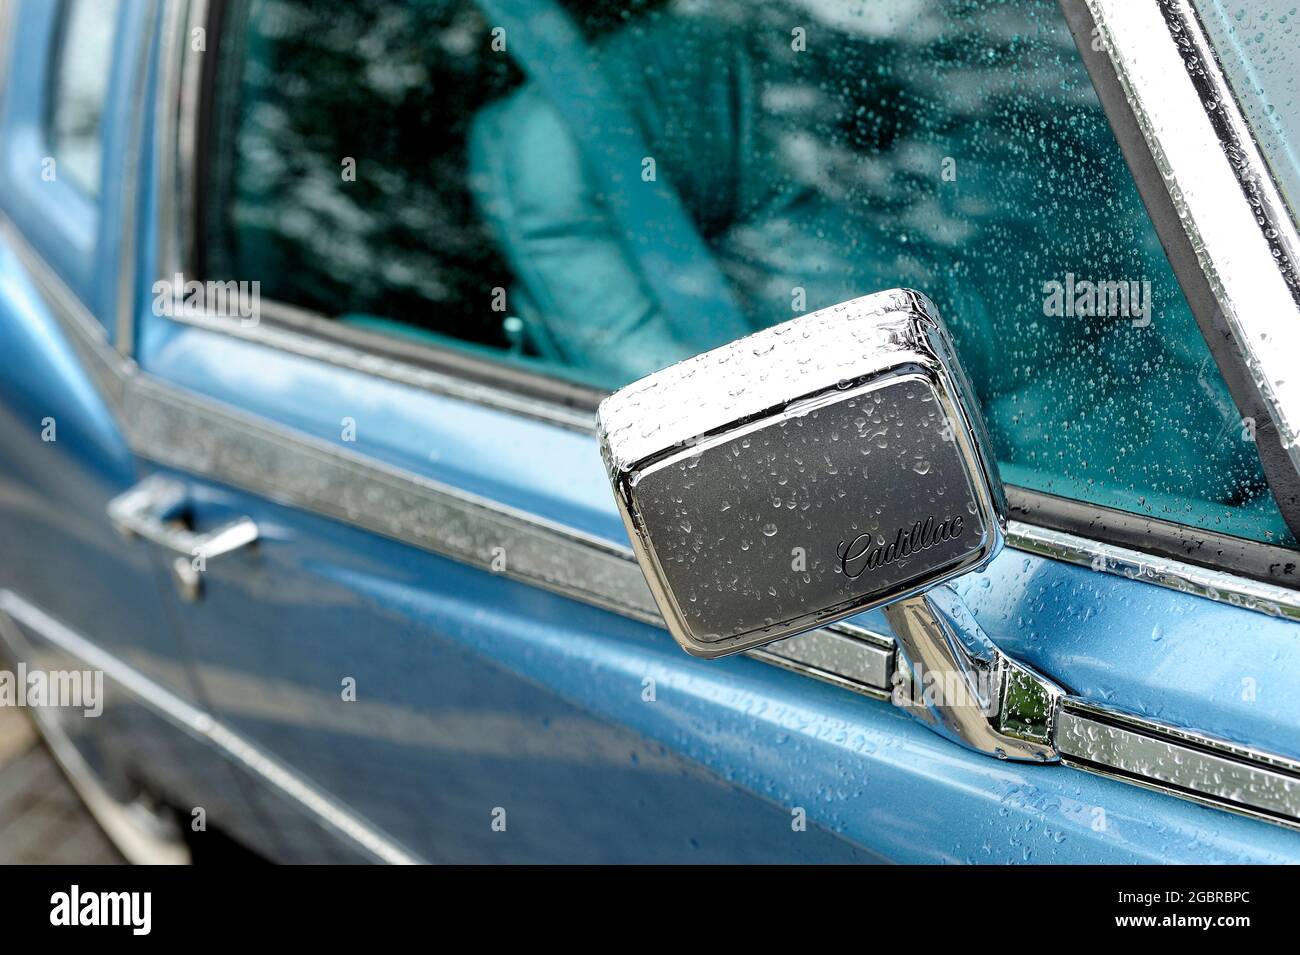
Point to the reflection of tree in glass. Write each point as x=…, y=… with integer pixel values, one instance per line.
x=393, y=86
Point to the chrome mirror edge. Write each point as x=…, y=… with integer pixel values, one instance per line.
x=680, y=447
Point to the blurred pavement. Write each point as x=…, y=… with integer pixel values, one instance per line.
x=42, y=819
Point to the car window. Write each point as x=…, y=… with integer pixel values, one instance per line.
x=78, y=88
x=596, y=190
x=1257, y=46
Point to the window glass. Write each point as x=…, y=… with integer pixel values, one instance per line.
x=598, y=189
x=79, y=87
x=1259, y=48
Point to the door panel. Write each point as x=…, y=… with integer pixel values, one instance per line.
x=68, y=579
x=445, y=726
x=476, y=691
x=74, y=593
x=482, y=685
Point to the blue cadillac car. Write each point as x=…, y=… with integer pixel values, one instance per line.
x=391, y=390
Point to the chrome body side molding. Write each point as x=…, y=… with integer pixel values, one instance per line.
x=1180, y=762
x=845, y=655
x=137, y=833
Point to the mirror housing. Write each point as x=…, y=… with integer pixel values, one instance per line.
x=812, y=470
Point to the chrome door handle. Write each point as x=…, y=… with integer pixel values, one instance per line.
x=146, y=511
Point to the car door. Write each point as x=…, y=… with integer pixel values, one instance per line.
x=76, y=596
x=397, y=256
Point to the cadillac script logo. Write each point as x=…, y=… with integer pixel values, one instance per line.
x=862, y=553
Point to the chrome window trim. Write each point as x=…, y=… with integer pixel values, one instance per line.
x=1217, y=585
x=175, y=429
x=288, y=328
x=1232, y=212
x=167, y=107
x=8, y=11
x=277, y=330
x=124, y=323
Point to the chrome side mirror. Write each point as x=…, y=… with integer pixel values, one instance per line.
x=832, y=464
x=810, y=471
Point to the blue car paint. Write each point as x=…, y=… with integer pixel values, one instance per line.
x=476, y=692
x=1093, y=632
x=1142, y=648
x=76, y=234
x=58, y=552
x=57, y=549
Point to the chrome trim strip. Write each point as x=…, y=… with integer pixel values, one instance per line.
x=126, y=270
x=1233, y=214
x=171, y=49
x=138, y=845
x=198, y=435
x=1216, y=585
x=839, y=656
x=189, y=76
x=202, y=725
x=8, y=10
x=272, y=334
x=1180, y=762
